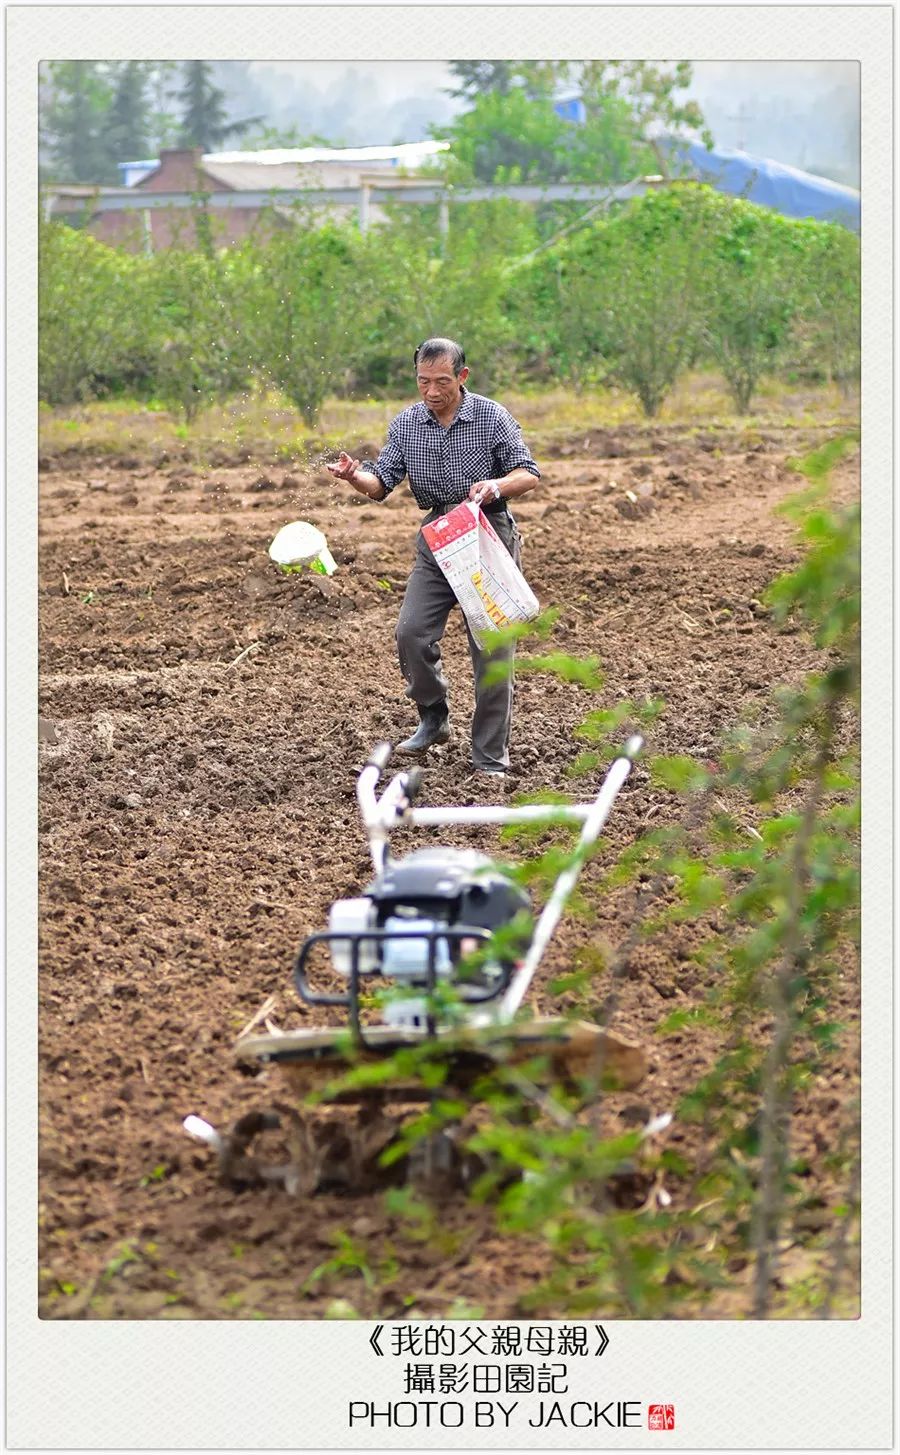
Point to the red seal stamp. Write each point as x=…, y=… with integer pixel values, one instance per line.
x=661, y=1417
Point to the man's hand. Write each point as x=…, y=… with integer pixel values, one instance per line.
x=345, y=469
x=484, y=491
x=508, y=487
x=362, y=480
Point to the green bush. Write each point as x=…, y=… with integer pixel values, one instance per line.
x=195, y=330
x=826, y=335
x=620, y=300
x=425, y=286
x=302, y=300
x=753, y=263
x=680, y=277
x=684, y=275
x=93, y=318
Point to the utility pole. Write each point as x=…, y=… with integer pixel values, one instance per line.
x=741, y=116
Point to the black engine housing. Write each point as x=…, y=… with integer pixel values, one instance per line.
x=458, y=887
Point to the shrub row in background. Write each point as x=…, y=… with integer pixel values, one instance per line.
x=679, y=279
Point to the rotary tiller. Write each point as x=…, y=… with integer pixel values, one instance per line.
x=451, y=936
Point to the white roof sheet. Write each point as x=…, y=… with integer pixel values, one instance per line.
x=410, y=152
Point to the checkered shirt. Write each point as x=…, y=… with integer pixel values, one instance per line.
x=483, y=442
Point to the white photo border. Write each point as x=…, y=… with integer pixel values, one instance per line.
x=232, y=1385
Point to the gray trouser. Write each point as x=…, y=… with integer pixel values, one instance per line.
x=423, y=616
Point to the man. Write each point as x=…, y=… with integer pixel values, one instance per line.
x=454, y=446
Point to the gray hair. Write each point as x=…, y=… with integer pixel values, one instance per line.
x=437, y=348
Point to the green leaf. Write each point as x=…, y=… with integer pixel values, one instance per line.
x=683, y=775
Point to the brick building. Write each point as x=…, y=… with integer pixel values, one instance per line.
x=244, y=189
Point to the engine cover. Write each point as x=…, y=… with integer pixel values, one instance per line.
x=454, y=886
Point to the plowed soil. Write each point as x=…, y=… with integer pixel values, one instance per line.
x=197, y=818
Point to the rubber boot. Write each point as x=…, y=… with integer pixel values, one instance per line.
x=434, y=727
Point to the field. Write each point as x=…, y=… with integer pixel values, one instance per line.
x=205, y=719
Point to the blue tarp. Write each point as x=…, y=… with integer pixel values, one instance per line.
x=771, y=184
x=571, y=109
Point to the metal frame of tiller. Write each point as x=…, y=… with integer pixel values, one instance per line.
x=309, y=1058
x=355, y=938
x=396, y=809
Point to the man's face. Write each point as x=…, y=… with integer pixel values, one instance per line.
x=438, y=385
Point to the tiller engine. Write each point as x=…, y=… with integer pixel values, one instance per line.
x=451, y=939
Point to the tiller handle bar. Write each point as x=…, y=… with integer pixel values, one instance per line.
x=593, y=824
x=395, y=808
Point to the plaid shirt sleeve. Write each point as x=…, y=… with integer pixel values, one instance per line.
x=390, y=467
x=508, y=446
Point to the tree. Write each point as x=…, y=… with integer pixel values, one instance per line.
x=76, y=97
x=476, y=78
x=826, y=339
x=204, y=123
x=417, y=292
x=126, y=125
x=648, y=93
x=95, y=115
x=647, y=323
x=508, y=137
x=94, y=317
x=265, y=138
x=686, y=274
x=628, y=297
x=754, y=261
x=163, y=122
x=301, y=307
x=512, y=131
x=196, y=337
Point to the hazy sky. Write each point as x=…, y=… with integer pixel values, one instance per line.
x=748, y=83
x=394, y=79
x=802, y=112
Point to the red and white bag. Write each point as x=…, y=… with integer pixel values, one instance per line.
x=486, y=581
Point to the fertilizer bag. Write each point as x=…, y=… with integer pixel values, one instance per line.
x=485, y=579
